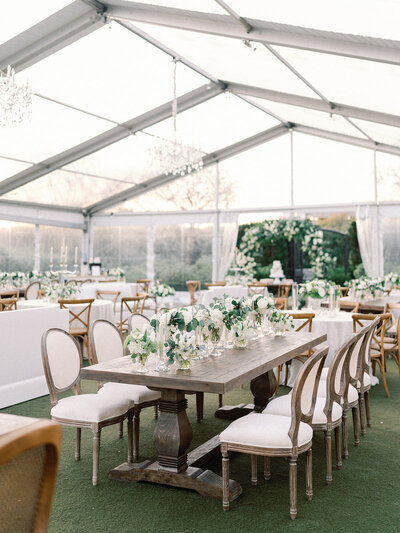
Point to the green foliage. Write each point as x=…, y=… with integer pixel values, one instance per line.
x=359, y=271
x=176, y=274
x=339, y=276
x=354, y=249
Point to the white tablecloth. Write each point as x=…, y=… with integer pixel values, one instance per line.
x=234, y=291
x=127, y=290
x=21, y=370
x=100, y=309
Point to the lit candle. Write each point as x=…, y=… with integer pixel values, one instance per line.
x=76, y=255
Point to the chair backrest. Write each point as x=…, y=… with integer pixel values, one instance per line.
x=378, y=337
x=71, y=282
x=133, y=304
x=32, y=291
x=375, y=323
x=11, y=293
x=281, y=303
x=256, y=287
x=78, y=318
x=193, y=286
x=105, y=340
x=8, y=304
x=85, y=281
x=144, y=285
x=344, y=291
x=138, y=321
x=111, y=296
x=61, y=357
x=283, y=290
x=351, y=307
x=215, y=284
x=29, y=459
x=304, y=393
x=306, y=318
x=394, y=309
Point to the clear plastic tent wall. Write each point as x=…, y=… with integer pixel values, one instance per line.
x=295, y=112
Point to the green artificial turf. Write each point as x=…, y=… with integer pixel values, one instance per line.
x=365, y=495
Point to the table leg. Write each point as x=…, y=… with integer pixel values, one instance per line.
x=262, y=388
x=172, y=437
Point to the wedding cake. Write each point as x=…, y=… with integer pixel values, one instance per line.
x=276, y=271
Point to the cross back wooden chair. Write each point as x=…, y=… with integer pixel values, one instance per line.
x=79, y=320
x=111, y=296
x=377, y=348
x=256, y=287
x=392, y=344
x=193, y=287
x=107, y=344
x=71, y=282
x=130, y=305
x=305, y=324
x=271, y=435
x=283, y=290
x=350, y=307
x=32, y=291
x=215, y=284
x=62, y=363
x=144, y=285
x=8, y=304
x=281, y=303
x=344, y=291
x=29, y=459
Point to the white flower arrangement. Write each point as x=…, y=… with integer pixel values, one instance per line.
x=57, y=292
x=116, y=272
x=366, y=288
x=140, y=345
x=316, y=288
x=242, y=332
x=280, y=322
x=161, y=290
x=392, y=280
x=181, y=348
x=241, y=271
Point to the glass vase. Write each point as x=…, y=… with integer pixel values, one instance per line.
x=240, y=343
x=314, y=304
x=228, y=335
x=279, y=329
x=215, y=338
x=184, y=363
x=140, y=363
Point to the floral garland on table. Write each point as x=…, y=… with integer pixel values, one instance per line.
x=140, y=345
x=116, y=272
x=392, y=280
x=57, y=292
x=316, y=288
x=366, y=288
x=161, y=290
x=242, y=269
x=20, y=279
x=301, y=231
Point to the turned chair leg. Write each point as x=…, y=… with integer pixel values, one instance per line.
x=96, y=454
x=220, y=400
x=328, y=457
x=156, y=412
x=199, y=405
x=78, y=444
x=254, y=479
x=267, y=468
x=309, y=488
x=121, y=429
x=361, y=408
x=130, y=436
x=355, y=426
x=345, y=436
x=367, y=408
x=136, y=430
x=338, y=448
x=225, y=480
x=293, y=487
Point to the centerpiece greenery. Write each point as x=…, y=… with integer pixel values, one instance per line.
x=161, y=290
x=140, y=345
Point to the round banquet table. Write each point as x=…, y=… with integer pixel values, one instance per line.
x=100, y=308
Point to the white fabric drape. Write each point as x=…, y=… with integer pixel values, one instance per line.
x=390, y=224
x=225, y=246
x=369, y=232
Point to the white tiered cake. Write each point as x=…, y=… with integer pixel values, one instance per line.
x=276, y=271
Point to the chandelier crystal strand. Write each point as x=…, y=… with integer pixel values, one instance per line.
x=15, y=99
x=171, y=155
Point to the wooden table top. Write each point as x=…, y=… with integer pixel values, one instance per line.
x=10, y=423
x=213, y=374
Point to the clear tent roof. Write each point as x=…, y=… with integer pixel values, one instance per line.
x=102, y=71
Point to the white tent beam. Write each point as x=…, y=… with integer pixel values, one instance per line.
x=41, y=214
x=51, y=34
x=188, y=100
x=209, y=159
x=316, y=104
x=347, y=139
x=357, y=46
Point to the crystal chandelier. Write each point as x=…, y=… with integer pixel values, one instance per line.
x=173, y=156
x=15, y=99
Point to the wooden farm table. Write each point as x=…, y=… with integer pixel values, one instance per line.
x=173, y=433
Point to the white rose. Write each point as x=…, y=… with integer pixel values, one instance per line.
x=321, y=292
x=187, y=316
x=216, y=316
x=262, y=303
x=165, y=318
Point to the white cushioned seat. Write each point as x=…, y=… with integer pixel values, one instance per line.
x=135, y=394
x=283, y=405
x=265, y=431
x=90, y=408
x=353, y=394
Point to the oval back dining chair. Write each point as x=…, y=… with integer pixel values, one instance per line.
x=29, y=459
x=272, y=435
x=32, y=291
x=138, y=321
x=62, y=367
x=107, y=344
